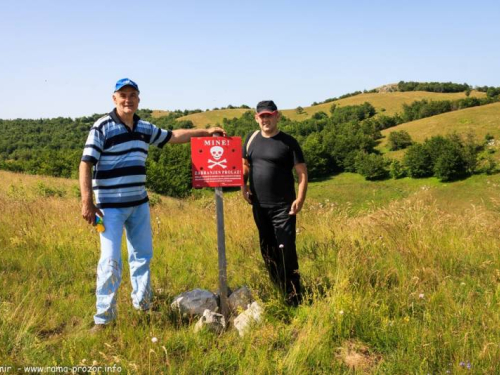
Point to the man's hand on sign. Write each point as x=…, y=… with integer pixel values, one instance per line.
x=247, y=194
x=216, y=129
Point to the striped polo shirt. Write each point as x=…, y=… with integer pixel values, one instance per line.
x=119, y=158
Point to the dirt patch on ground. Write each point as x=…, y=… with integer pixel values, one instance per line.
x=358, y=357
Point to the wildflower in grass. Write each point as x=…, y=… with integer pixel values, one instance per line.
x=154, y=340
x=406, y=319
x=467, y=365
x=341, y=312
x=421, y=296
x=281, y=246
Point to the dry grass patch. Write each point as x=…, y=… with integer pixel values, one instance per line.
x=358, y=357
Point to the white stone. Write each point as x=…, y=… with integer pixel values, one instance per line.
x=194, y=302
x=213, y=321
x=247, y=318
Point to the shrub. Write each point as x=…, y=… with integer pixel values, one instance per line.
x=371, y=166
x=315, y=155
x=418, y=161
x=399, y=140
x=49, y=191
x=397, y=170
x=451, y=163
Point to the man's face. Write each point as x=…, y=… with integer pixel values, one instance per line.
x=126, y=100
x=268, y=122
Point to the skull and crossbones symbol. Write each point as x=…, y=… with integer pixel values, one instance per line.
x=217, y=152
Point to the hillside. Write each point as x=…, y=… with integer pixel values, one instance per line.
x=478, y=120
x=391, y=102
x=200, y=120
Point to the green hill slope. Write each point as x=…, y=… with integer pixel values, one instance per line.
x=479, y=120
x=387, y=103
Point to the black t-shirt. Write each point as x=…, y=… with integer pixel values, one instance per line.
x=271, y=168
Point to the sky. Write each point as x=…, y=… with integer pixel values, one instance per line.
x=62, y=58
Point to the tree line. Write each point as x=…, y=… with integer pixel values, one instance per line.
x=342, y=140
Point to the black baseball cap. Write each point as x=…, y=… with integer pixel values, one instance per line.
x=266, y=106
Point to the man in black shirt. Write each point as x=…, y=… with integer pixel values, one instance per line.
x=269, y=158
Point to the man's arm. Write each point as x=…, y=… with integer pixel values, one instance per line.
x=297, y=204
x=245, y=190
x=89, y=210
x=184, y=135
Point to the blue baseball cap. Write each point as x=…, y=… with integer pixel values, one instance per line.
x=125, y=82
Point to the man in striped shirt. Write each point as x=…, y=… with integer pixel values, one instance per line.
x=116, y=150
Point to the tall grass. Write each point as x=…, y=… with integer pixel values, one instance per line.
x=409, y=287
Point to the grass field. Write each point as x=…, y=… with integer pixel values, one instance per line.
x=402, y=277
x=385, y=103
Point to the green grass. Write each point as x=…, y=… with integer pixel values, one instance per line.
x=402, y=278
x=353, y=193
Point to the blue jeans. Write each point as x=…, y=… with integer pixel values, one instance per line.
x=137, y=223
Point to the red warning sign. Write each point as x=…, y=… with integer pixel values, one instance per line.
x=216, y=161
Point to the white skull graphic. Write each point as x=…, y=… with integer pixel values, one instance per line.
x=216, y=152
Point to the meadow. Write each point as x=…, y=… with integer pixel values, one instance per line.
x=401, y=277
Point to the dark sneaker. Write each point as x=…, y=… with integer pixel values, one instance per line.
x=293, y=300
x=97, y=328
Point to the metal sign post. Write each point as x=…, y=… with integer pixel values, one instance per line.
x=221, y=245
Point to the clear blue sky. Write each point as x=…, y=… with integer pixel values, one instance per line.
x=62, y=58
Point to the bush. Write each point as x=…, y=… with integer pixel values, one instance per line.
x=451, y=164
x=397, y=170
x=169, y=170
x=299, y=110
x=448, y=158
x=316, y=157
x=319, y=115
x=418, y=161
x=49, y=191
x=487, y=164
x=371, y=166
x=399, y=140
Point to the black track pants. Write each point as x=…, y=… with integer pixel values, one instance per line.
x=277, y=245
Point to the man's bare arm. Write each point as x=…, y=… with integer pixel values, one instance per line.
x=297, y=204
x=89, y=210
x=245, y=190
x=184, y=135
